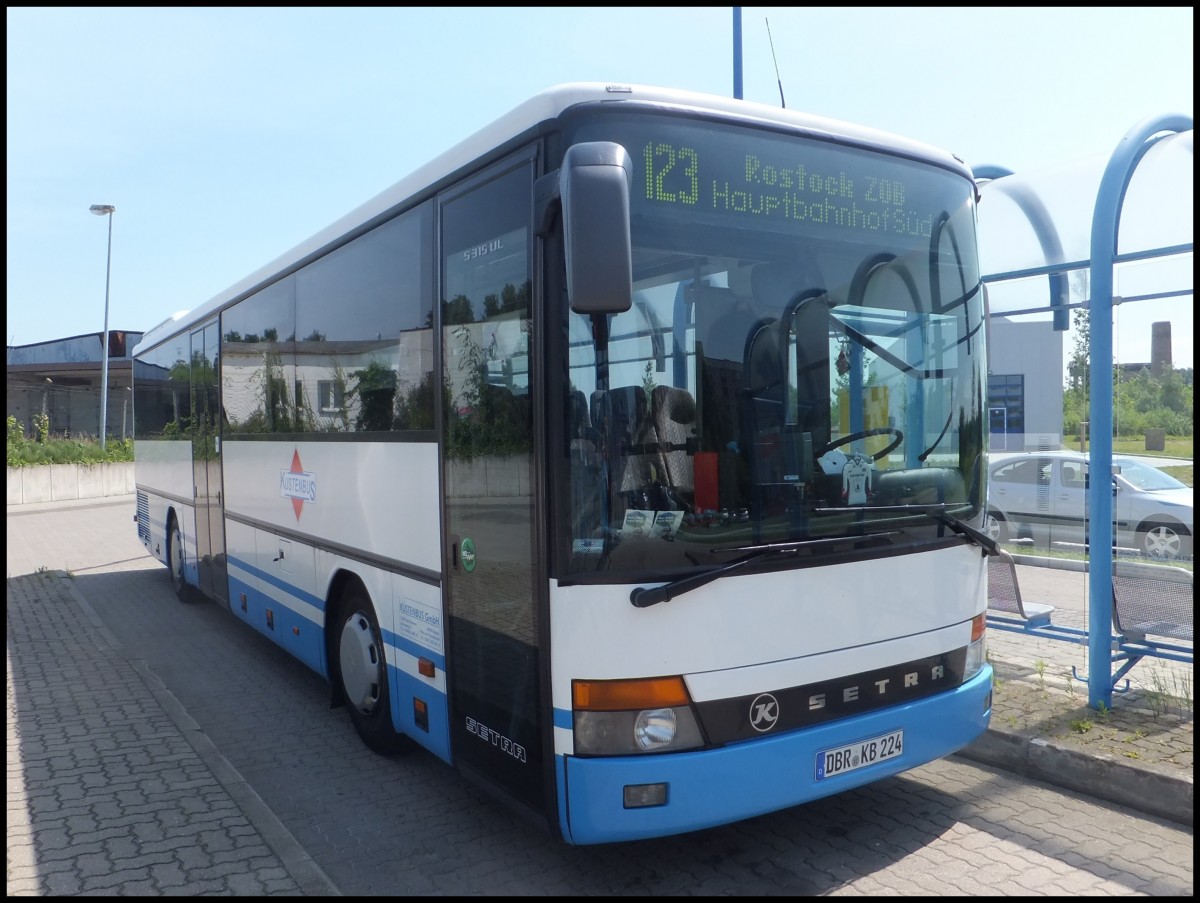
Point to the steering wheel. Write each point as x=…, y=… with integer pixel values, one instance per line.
x=854, y=437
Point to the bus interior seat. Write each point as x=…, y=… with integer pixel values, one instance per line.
x=621, y=418
x=581, y=437
x=761, y=401
x=673, y=411
x=583, y=450
x=723, y=321
x=807, y=324
x=763, y=358
x=796, y=292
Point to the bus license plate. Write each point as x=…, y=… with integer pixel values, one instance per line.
x=857, y=755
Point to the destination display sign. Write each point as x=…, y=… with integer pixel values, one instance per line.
x=726, y=175
x=782, y=186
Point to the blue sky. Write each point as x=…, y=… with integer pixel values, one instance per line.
x=226, y=136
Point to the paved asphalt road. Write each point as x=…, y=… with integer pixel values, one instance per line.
x=162, y=748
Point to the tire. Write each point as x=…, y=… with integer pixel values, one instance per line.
x=1164, y=542
x=995, y=526
x=175, y=560
x=362, y=674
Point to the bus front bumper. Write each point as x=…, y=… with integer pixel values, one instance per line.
x=707, y=788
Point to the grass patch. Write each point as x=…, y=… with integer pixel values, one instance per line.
x=1174, y=447
x=1033, y=550
x=70, y=451
x=45, y=448
x=1182, y=472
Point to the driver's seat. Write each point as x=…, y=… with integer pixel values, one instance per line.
x=806, y=322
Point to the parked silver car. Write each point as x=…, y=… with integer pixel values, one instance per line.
x=1044, y=496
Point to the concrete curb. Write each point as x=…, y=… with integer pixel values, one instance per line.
x=1106, y=777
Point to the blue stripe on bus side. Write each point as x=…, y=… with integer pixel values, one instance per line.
x=437, y=738
x=307, y=644
x=404, y=644
x=315, y=601
x=390, y=637
x=296, y=633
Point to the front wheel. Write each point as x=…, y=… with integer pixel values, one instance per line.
x=362, y=671
x=1164, y=542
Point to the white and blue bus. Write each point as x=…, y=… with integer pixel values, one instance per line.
x=628, y=457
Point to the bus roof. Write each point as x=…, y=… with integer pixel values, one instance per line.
x=542, y=107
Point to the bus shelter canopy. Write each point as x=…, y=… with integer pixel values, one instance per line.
x=1038, y=223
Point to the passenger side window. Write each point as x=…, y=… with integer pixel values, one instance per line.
x=1071, y=475
x=1017, y=472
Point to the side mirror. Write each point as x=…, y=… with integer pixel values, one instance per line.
x=595, y=184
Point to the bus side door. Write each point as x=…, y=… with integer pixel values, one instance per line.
x=493, y=646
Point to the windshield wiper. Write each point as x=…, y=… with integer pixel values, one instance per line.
x=645, y=596
x=985, y=542
x=935, y=512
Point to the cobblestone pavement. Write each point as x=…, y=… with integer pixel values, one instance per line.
x=113, y=788
x=105, y=793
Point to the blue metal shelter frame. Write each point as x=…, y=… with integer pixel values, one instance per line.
x=1102, y=261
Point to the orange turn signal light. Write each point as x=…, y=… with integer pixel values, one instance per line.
x=978, y=625
x=621, y=695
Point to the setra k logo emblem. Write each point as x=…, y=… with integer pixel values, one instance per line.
x=764, y=712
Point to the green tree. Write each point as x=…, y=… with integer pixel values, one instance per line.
x=375, y=388
x=415, y=408
x=484, y=419
x=1080, y=363
x=457, y=310
x=1076, y=398
x=1141, y=401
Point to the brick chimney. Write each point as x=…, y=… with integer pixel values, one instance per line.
x=1160, y=348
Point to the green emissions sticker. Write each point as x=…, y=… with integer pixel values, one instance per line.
x=468, y=555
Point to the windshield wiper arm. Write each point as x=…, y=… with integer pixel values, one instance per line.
x=645, y=596
x=985, y=542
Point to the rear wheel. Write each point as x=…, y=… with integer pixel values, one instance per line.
x=175, y=560
x=362, y=673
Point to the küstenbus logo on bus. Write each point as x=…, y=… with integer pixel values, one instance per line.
x=298, y=485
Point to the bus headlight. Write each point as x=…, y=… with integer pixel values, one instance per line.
x=654, y=728
x=617, y=718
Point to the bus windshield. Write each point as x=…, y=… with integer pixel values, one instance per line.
x=802, y=363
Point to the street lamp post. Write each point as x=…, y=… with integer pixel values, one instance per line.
x=105, y=210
